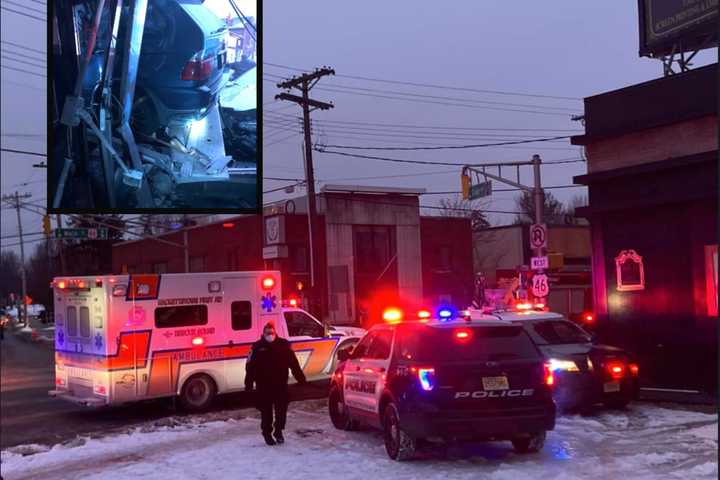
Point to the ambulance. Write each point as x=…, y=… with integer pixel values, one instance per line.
x=125, y=338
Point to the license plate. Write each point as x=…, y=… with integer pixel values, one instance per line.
x=495, y=383
x=611, y=387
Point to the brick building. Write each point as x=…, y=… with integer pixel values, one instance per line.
x=652, y=153
x=374, y=249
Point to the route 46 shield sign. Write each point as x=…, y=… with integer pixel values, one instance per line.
x=540, y=287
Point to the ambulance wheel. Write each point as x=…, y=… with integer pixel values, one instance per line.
x=398, y=444
x=531, y=444
x=197, y=393
x=339, y=414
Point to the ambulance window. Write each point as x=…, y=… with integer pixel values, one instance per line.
x=241, y=315
x=184, y=316
x=301, y=325
x=72, y=326
x=85, y=322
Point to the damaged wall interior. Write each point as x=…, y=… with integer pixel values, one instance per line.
x=148, y=111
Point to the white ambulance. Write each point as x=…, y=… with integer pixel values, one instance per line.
x=124, y=338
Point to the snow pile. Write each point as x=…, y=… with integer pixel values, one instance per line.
x=644, y=442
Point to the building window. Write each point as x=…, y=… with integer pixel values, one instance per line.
x=629, y=271
x=184, y=316
x=197, y=264
x=373, y=247
x=711, y=279
x=299, y=259
x=159, y=267
x=241, y=315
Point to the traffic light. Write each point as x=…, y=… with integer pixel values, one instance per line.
x=465, y=182
x=46, y=225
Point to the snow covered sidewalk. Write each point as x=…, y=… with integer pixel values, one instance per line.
x=641, y=443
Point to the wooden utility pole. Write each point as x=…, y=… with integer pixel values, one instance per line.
x=305, y=83
x=14, y=200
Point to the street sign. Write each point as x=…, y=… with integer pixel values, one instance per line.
x=89, y=233
x=539, y=263
x=480, y=190
x=538, y=235
x=540, y=287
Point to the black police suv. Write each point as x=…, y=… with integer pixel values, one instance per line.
x=442, y=381
x=585, y=372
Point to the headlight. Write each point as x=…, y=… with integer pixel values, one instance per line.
x=567, y=365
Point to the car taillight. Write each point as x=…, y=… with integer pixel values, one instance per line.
x=615, y=369
x=59, y=382
x=548, y=377
x=463, y=335
x=196, y=69
x=634, y=369
x=100, y=389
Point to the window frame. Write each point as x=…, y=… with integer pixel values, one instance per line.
x=232, y=317
x=302, y=315
x=201, y=307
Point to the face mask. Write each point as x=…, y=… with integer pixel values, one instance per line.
x=269, y=337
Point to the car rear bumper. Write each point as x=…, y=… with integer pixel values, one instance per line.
x=85, y=401
x=479, y=425
x=574, y=390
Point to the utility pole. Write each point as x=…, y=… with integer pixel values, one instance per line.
x=14, y=200
x=61, y=246
x=305, y=83
x=539, y=196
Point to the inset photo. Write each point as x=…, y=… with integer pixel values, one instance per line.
x=154, y=106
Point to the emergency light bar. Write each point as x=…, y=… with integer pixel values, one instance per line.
x=73, y=284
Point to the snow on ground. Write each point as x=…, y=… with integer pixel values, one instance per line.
x=643, y=442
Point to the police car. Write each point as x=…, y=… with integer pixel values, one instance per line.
x=444, y=378
x=585, y=372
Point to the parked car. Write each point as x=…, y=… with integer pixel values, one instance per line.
x=444, y=380
x=182, y=64
x=586, y=372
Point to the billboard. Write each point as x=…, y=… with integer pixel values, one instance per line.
x=686, y=24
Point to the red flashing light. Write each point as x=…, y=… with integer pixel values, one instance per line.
x=634, y=369
x=228, y=225
x=101, y=389
x=81, y=284
x=424, y=313
x=293, y=302
x=539, y=305
x=392, y=315
x=338, y=375
x=462, y=334
x=549, y=377
x=61, y=284
x=59, y=381
x=197, y=341
x=588, y=317
x=523, y=306
x=268, y=283
x=368, y=370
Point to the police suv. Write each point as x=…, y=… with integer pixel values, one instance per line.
x=444, y=379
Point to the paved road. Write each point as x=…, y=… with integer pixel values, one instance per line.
x=29, y=415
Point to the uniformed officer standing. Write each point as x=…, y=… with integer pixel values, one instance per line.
x=267, y=367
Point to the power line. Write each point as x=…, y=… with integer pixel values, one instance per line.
x=444, y=147
x=30, y=9
x=25, y=60
x=21, y=13
x=430, y=85
x=21, y=70
x=447, y=104
x=31, y=87
x=44, y=52
x=24, y=152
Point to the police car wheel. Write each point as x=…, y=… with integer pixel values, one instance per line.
x=399, y=445
x=339, y=414
x=197, y=393
x=531, y=444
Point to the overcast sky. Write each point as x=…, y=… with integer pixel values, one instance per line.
x=563, y=48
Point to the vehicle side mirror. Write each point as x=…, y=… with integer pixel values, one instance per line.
x=344, y=354
x=326, y=332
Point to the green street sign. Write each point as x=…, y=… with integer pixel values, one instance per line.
x=82, y=233
x=480, y=190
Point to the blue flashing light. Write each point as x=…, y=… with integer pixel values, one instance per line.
x=427, y=378
x=445, y=313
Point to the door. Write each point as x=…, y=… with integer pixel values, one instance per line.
x=376, y=365
x=375, y=271
x=239, y=321
x=313, y=350
x=353, y=377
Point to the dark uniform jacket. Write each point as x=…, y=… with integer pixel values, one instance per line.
x=267, y=367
